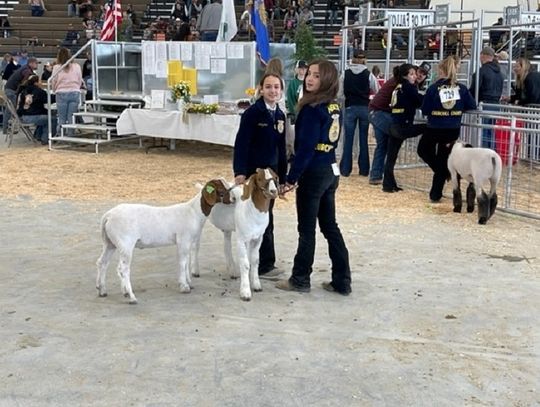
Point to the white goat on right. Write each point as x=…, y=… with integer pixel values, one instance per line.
x=478, y=166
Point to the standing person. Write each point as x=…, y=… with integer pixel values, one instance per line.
x=47, y=72
x=66, y=83
x=11, y=89
x=260, y=143
x=315, y=172
x=357, y=84
x=444, y=104
x=381, y=119
x=209, y=20
x=422, y=77
x=527, y=88
x=490, y=88
x=405, y=101
x=294, y=93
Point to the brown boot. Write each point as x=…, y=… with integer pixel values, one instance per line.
x=287, y=286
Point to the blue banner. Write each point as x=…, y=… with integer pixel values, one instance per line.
x=258, y=24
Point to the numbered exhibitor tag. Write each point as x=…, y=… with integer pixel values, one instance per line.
x=450, y=94
x=335, y=169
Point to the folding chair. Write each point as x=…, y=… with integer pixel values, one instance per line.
x=15, y=125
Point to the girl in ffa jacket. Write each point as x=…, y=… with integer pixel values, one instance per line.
x=405, y=100
x=260, y=143
x=444, y=104
x=315, y=172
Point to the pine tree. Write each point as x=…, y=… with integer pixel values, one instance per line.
x=306, y=44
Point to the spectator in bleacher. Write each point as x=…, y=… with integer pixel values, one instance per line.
x=85, y=8
x=294, y=89
x=5, y=61
x=269, y=7
x=37, y=7
x=196, y=8
x=194, y=34
x=87, y=67
x=356, y=84
x=527, y=87
x=73, y=8
x=434, y=42
x=290, y=20
x=71, y=40
x=131, y=14
x=6, y=27
x=47, y=72
x=148, y=33
x=496, y=35
x=306, y=16
x=209, y=20
x=281, y=8
x=22, y=58
x=332, y=7
x=31, y=109
x=180, y=10
x=182, y=32
x=11, y=89
x=245, y=21
x=66, y=83
x=89, y=24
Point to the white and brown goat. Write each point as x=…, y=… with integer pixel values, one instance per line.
x=479, y=166
x=127, y=226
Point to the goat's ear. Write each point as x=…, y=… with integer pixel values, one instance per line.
x=248, y=187
x=209, y=193
x=468, y=145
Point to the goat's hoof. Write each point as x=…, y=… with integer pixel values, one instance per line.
x=482, y=221
x=246, y=298
x=234, y=277
x=126, y=295
x=185, y=289
x=470, y=209
x=133, y=301
x=102, y=295
x=457, y=209
x=257, y=290
x=196, y=275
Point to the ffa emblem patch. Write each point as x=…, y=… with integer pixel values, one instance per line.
x=393, y=100
x=280, y=126
x=333, y=134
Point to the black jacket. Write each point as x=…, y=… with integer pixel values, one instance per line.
x=38, y=99
x=530, y=94
x=491, y=83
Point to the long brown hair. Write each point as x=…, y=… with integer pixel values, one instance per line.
x=63, y=56
x=275, y=66
x=525, y=68
x=328, y=89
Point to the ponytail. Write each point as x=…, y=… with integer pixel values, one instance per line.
x=448, y=68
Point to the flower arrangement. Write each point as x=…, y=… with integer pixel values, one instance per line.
x=180, y=91
x=251, y=92
x=203, y=108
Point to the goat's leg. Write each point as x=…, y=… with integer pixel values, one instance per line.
x=457, y=198
x=243, y=265
x=254, y=265
x=102, y=265
x=182, y=250
x=471, y=195
x=195, y=258
x=124, y=273
x=492, y=204
x=483, y=207
x=227, y=247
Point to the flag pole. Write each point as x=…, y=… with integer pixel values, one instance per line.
x=115, y=42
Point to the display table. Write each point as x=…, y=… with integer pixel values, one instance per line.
x=209, y=128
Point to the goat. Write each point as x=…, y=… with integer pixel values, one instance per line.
x=127, y=226
x=478, y=166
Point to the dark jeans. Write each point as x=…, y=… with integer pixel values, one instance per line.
x=267, y=253
x=434, y=150
x=381, y=122
x=398, y=134
x=355, y=115
x=209, y=35
x=488, y=135
x=315, y=200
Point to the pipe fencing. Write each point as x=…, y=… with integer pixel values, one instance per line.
x=514, y=132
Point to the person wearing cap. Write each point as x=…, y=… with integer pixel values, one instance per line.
x=11, y=88
x=490, y=88
x=444, y=104
x=294, y=89
x=356, y=84
x=422, y=75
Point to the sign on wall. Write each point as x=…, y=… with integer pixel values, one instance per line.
x=407, y=19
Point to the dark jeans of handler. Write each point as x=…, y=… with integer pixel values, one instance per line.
x=354, y=115
x=267, y=254
x=315, y=199
x=433, y=148
x=381, y=122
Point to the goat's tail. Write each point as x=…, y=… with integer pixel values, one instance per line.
x=496, y=164
x=104, y=235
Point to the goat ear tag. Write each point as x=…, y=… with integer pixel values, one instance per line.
x=209, y=189
x=267, y=174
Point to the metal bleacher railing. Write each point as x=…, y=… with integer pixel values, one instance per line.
x=515, y=131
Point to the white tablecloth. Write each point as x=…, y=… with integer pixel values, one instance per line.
x=209, y=128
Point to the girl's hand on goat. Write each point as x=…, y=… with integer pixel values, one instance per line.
x=287, y=188
x=239, y=179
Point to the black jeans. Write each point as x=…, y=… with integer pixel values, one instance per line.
x=398, y=134
x=267, y=253
x=433, y=148
x=315, y=199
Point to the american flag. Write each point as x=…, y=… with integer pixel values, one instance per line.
x=112, y=12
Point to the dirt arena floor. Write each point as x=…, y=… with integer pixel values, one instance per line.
x=444, y=312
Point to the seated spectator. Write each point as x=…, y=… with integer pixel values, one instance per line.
x=131, y=14
x=196, y=8
x=34, y=42
x=6, y=27
x=47, y=72
x=182, y=32
x=434, y=42
x=281, y=8
x=306, y=16
x=22, y=58
x=37, y=7
x=332, y=7
x=269, y=7
x=4, y=63
x=31, y=109
x=89, y=25
x=180, y=10
x=245, y=20
x=85, y=8
x=290, y=20
x=71, y=40
x=73, y=8
x=11, y=67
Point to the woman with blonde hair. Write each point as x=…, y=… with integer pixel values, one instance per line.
x=444, y=104
x=66, y=83
x=527, y=87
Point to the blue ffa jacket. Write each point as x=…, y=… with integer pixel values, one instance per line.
x=448, y=116
x=317, y=133
x=260, y=142
x=405, y=101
